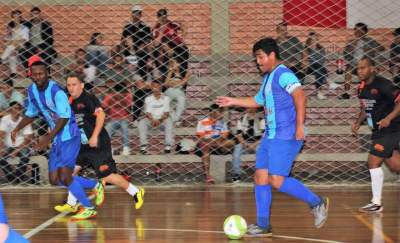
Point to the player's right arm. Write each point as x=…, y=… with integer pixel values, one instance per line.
x=361, y=118
x=247, y=102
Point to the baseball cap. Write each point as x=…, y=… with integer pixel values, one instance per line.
x=137, y=8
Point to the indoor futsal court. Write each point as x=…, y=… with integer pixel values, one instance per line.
x=196, y=214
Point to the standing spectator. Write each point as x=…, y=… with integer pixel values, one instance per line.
x=175, y=91
x=17, y=37
x=291, y=50
x=8, y=94
x=395, y=57
x=19, y=149
x=169, y=32
x=249, y=131
x=361, y=45
x=315, y=54
x=157, y=109
x=41, y=32
x=117, y=105
x=213, y=138
x=97, y=52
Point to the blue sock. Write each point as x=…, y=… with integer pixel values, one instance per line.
x=263, y=204
x=296, y=189
x=77, y=190
x=85, y=183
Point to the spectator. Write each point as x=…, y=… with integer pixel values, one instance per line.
x=395, y=57
x=120, y=73
x=168, y=31
x=249, y=131
x=41, y=32
x=97, y=52
x=19, y=149
x=8, y=94
x=17, y=37
x=291, y=50
x=80, y=66
x=117, y=105
x=175, y=92
x=140, y=35
x=315, y=54
x=157, y=109
x=361, y=45
x=213, y=138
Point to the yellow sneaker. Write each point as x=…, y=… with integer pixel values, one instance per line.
x=66, y=208
x=85, y=213
x=99, y=193
x=139, y=198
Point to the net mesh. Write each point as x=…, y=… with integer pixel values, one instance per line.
x=197, y=50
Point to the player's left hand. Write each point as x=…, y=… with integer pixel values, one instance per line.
x=93, y=141
x=300, y=135
x=385, y=122
x=44, y=141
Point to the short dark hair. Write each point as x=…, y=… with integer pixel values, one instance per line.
x=80, y=77
x=12, y=103
x=157, y=81
x=16, y=11
x=267, y=45
x=362, y=26
x=39, y=63
x=214, y=107
x=283, y=23
x=162, y=12
x=36, y=9
x=370, y=61
x=396, y=32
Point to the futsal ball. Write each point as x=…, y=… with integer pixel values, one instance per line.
x=235, y=227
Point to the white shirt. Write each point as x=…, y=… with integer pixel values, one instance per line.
x=155, y=107
x=21, y=33
x=7, y=125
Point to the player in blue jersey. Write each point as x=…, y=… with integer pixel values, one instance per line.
x=284, y=105
x=47, y=99
x=7, y=234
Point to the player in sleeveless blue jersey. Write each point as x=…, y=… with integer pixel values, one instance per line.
x=284, y=105
x=7, y=234
x=47, y=99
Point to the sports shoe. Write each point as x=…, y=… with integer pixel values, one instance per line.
x=235, y=178
x=139, y=198
x=143, y=149
x=254, y=230
x=66, y=208
x=371, y=208
x=167, y=149
x=344, y=96
x=321, y=212
x=85, y=213
x=126, y=151
x=99, y=193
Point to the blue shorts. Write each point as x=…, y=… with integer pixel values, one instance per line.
x=277, y=155
x=14, y=237
x=64, y=154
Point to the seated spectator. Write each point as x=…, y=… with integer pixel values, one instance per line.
x=291, y=50
x=361, y=45
x=213, y=138
x=157, y=116
x=80, y=66
x=8, y=94
x=19, y=149
x=117, y=106
x=17, y=36
x=97, y=52
x=120, y=73
x=41, y=32
x=168, y=31
x=250, y=128
x=315, y=57
x=395, y=57
x=174, y=84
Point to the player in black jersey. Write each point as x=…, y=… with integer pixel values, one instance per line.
x=95, y=149
x=380, y=106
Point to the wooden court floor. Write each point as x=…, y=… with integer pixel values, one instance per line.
x=196, y=214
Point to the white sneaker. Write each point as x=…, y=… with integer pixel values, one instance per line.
x=334, y=85
x=321, y=96
x=126, y=151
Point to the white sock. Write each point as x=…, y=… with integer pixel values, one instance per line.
x=132, y=190
x=71, y=199
x=376, y=184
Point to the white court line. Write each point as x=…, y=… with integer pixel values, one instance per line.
x=200, y=231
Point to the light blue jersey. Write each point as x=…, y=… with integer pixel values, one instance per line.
x=275, y=96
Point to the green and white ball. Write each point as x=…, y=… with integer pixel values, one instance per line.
x=235, y=227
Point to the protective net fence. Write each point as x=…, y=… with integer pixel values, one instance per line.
x=157, y=66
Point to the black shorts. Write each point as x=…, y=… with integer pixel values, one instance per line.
x=99, y=159
x=383, y=145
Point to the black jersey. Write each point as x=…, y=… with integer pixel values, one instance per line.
x=379, y=99
x=86, y=107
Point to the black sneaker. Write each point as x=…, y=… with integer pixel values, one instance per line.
x=344, y=96
x=371, y=208
x=235, y=178
x=254, y=230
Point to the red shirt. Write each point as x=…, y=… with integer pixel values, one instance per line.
x=118, y=105
x=169, y=30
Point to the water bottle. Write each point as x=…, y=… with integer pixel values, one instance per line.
x=340, y=66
